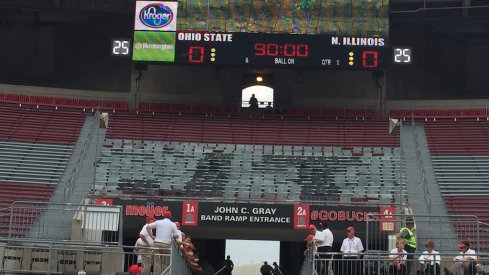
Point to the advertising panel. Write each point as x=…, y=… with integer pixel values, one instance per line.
x=154, y=46
x=155, y=16
x=248, y=215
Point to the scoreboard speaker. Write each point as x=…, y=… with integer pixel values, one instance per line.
x=393, y=126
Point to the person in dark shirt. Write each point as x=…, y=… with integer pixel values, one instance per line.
x=229, y=266
x=276, y=269
x=269, y=108
x=253, y=102
x=266, y=269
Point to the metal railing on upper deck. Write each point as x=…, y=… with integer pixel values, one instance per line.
x=394, y=261
x=54, y=221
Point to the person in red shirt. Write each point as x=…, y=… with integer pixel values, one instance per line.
x=134, y=270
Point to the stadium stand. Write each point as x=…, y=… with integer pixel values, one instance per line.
x=35, y=146
x=242, y=158
x=460, y=157
x=63, y=102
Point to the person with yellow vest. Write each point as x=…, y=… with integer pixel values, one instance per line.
x=407, y=235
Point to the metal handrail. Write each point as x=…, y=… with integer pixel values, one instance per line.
x=420, y=166
x=69, y=185
x=473, y=219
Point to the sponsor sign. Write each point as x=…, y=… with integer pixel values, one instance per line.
x=154, y=46
x=155, y=16
x=248, y=215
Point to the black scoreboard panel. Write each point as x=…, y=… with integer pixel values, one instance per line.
x=281, y=50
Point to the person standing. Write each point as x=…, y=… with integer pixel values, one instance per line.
x=407, y=235
x=266, y=269
x=253, y=102
x=166, y=230
x=144, y=244
x=228, y=266
x=324, y=243
x=398, y=257
x=430, y=260
x=276, y=269
x=352, y=248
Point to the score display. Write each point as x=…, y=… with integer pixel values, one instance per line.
x=121, y=47
x=403, y=55
x=276, y=50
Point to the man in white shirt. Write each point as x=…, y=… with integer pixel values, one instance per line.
x=466, y=261
x=166, y=230
x=352, y=252
x=430, y=260
x=143, y=245
x=180, y=234
x=324, y=243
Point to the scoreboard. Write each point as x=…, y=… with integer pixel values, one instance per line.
x=262, y=50
x=157, y=40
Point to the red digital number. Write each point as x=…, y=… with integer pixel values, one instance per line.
x=370, y=59
x=196, y=54
x=260, y=49
x=289, y=50
x=302, y=50
x=272, y=49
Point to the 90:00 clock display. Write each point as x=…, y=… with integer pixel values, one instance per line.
x=287, y=50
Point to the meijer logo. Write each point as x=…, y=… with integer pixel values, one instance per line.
x=156, y=15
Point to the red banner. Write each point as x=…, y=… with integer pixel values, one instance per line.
x=387, y=220
x=104, y=202
x=190, y=213
x=301, y=216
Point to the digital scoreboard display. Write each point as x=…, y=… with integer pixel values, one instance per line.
x=269, y=50
x=157, y=40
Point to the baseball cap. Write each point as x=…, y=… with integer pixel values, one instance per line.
x=312, y=226
x=177, y=224
x=463, y=243
x=350, y=228
x=309, y=238
x=409, y=219
x=134, y=269
x=168, y=214
x=150, y=218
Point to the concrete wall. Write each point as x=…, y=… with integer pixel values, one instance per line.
x=67, y=50
x=208, y=85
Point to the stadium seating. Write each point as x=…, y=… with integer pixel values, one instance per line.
x=35, y=146
x=242, y=158
x=438, y=113
x=460, y=156
x=246, y=171
x=39, y=125
x=17, y=221
x=345, y=133
x=63, y=102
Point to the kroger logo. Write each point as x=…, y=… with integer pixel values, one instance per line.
x=156, y=15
